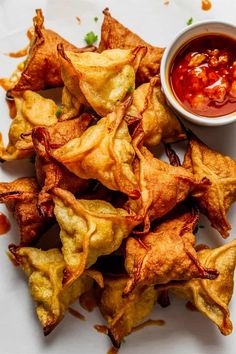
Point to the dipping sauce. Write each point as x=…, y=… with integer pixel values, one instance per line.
x=4, y=224
x=203, y=75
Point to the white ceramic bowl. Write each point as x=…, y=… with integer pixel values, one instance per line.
x=182, y=38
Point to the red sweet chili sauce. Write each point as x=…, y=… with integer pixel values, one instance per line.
x=4, y=224
x=206, y=5
x=203, y=75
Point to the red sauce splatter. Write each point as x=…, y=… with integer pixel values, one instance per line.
x=4, y=224
x=203, y=75
x=206, y=5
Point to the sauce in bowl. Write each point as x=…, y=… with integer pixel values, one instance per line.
x=203, y=75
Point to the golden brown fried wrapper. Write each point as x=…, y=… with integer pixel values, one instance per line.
x=212, y=297
x=115, y=35
x=70, y=106
x=100, y=80
x=89, y=229
x=21, y=197
x=46, y=137
x=42, y=67
x=32, y=110
x=45, y=272
x=221, y=172
x=49, y=172
x=162, y=186
x=55, y=175
x=122, y=314
x=103, y=152
x=158, y=121
x=166, y=254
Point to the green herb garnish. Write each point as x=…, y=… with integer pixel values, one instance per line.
x=96, y=19
x=58, y=112
x=190, y=21
x=130, y=89
x=201, y=226
x=90, y=38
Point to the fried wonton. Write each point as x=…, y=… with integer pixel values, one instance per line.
x=45, y=272
x=115, y=35
x=100, y=80
x=89, y=229
x=103, y=152
x=158, y=121
x=71, y=107
x=212, y=297
x=162, y=186
x=52, y=175
x=167, y=253
x=221, y=193
x=31, y=110
x=122, y=314
x=21, y=197
x=42, y=67
x=49, y=172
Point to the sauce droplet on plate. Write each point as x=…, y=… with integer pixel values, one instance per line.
x=206, y=5
x=4, y=224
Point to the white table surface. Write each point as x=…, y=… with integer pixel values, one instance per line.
x=185, y=332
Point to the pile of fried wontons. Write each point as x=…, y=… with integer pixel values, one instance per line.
x=127, y=219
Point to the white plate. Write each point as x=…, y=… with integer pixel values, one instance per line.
x=185, y=331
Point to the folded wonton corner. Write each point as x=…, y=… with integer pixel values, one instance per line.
x=212, y=297
x=115, y=35
x=103, y=152
x=158, y=121
x=21, y=198
x=122, y=314
x=31, y=110
x=51, y=173
x=42, y=67
x=89, y=229
x=167, y=253
x=221, y=172
x=162, y=186
x=45, y=272
x=100, y=80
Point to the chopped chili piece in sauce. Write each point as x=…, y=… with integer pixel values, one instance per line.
x=203, y=75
